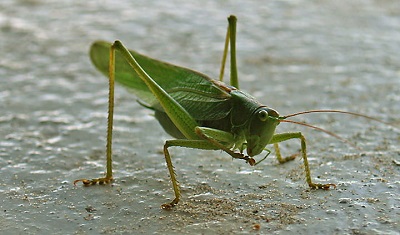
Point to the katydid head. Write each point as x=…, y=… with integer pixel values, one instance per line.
x=261, y=128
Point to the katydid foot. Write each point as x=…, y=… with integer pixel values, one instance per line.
x=100, y=181
x=322, y=186
x=168, y=206
x=282, y=160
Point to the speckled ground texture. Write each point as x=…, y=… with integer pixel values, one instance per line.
x=292, y=56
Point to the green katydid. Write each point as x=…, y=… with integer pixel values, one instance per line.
x=200, y=112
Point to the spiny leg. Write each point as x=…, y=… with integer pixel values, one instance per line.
x=110, y=119
x=217, y=137
x=230, y=39
x=222, y=69
x=172, y=174
x=232, y=34
x=196, y=144
x=297, y=135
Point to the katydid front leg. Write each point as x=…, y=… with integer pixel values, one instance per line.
x=281, y=159
x=277, y=138
x=217, y=138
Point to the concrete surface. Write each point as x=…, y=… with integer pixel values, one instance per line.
x=292, y=55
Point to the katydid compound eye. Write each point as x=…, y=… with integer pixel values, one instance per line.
x=263, y=115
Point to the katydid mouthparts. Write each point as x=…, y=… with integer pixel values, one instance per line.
x=199, y=112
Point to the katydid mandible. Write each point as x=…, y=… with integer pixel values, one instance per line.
x=200, y=112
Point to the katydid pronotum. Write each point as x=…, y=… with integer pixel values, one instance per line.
x=200, y=112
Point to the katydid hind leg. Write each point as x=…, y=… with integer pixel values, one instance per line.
x=277, y=138
x=178, y=115
x=234, y=80
x=224, y=55
x=230, y=39
x=110, y=120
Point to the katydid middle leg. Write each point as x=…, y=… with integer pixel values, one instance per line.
x=211, y=139
x=277, y=138
x=195, y=144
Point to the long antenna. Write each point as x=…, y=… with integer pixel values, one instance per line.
x=322, y=130
x=337, y=111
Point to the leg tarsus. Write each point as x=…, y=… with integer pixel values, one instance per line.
x=281, y=159
x=169, y=206
x=100, y=181
x=322, y=186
